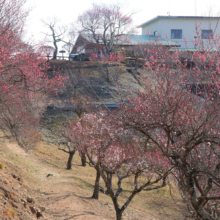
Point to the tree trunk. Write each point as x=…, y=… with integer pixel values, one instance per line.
x=203, y=214
x=54, y=43
x=83, y=159
x=74, y=91
x=107, y=72
x=96, y=188
x=194, y=200
x=118, y=214
x=80, y=64
x=55, y=52
x=108, y=182
x=69, y=162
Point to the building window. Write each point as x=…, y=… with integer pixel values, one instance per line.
x=207, y=34
x=176, y=34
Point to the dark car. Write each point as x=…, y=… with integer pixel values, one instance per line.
x=81, y=57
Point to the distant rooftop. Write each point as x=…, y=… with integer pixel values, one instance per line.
x=132, y=40
x=174, y=17
x=144, y=39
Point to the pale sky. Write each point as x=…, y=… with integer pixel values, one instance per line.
x=68, y=10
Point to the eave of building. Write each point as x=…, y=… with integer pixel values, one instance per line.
x=176, y=17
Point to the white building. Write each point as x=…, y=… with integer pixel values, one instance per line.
x=183, y=28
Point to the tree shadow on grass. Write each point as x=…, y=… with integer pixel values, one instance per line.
x=71, y=215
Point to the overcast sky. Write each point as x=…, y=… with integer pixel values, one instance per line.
x=68, y=10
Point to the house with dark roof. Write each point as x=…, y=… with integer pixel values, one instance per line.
x=125, y=44
x=190, y=32
x=85, y=44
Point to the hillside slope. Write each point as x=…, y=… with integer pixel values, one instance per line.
x=67, y=194
x=90, y=79
x=36, y=183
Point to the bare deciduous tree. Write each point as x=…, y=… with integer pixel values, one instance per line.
x=106, y=25
x=69, y=43
x=57, y=33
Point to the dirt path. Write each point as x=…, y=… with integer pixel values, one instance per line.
x=60, y=195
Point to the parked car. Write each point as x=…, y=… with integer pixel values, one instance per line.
x=81, y=57
x=73, y=55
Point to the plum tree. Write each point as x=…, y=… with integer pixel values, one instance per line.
x=23, y=79
x=182, y=123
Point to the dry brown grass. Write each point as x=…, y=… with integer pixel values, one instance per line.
x=68, y=193
x=157, y=204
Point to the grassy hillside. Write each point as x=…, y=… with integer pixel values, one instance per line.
x=90, y=79
x=67, y=194
x=60, y=194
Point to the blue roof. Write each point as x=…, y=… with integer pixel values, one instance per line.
x=135, y=40
x=147, y=39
